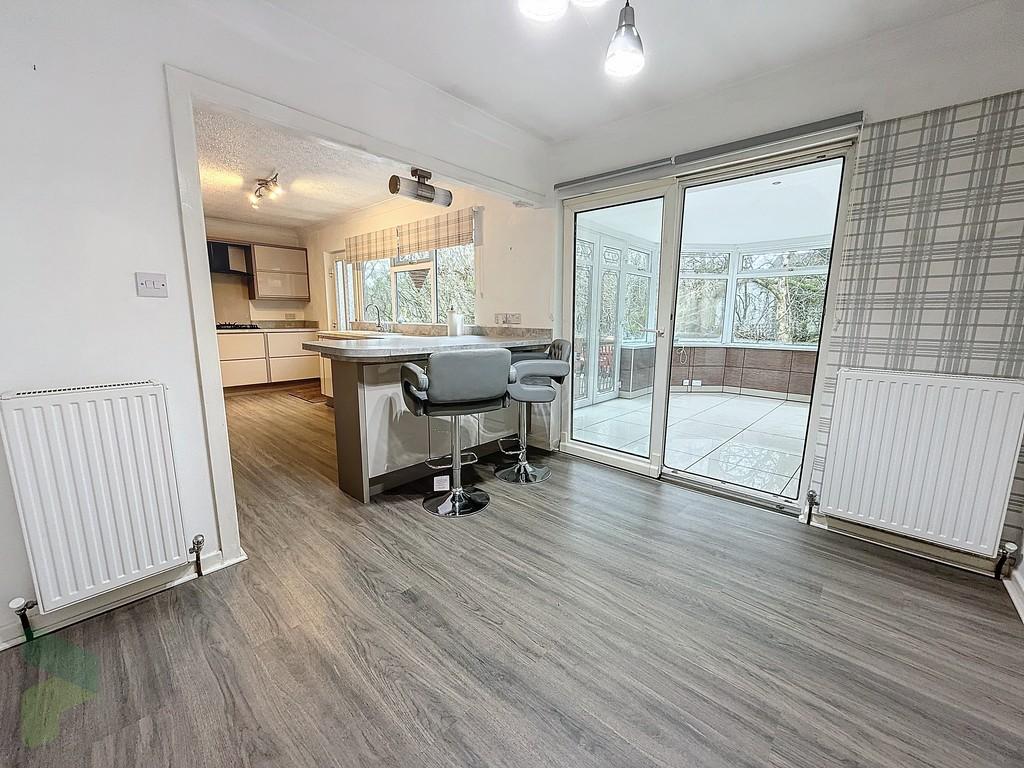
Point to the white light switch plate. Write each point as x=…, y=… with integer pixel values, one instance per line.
x=151, y=285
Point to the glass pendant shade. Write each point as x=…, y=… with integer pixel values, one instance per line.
x=625, y=55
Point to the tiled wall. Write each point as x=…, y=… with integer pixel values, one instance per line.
x=931, y=277
x=636, y=370
x=782, y=372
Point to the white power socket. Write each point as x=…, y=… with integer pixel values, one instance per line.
x=696, y=382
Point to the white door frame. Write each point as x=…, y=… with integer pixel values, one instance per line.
x=847, y=150
x=671, y=222
x=184, y=91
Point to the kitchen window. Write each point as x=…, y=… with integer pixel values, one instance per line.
x=414, y=288
x=762, y=294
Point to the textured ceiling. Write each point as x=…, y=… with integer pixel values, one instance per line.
x=321, y=180
x=548, y=78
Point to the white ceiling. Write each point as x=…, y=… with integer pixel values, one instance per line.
x=321, y=180
x=548, y=79
x=780, y=205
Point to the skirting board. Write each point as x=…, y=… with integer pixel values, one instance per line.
x=11, y=634
x=1015, y=586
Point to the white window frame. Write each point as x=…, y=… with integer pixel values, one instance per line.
x=393, y=270
x=735, y=274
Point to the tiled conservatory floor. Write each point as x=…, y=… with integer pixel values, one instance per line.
x=754, y=442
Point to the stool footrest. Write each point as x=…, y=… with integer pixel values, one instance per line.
x=510, y=446
x=445, y=462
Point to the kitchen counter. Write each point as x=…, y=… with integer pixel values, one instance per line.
x=381, y=444
x=268, y=330
x=393, y=349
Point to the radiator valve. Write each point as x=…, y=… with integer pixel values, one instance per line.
x=1007, y=553
x=21, y=607
x=197, y=549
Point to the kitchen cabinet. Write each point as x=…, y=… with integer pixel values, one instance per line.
x=279, y=272
x=239, y=373
x=260, y=357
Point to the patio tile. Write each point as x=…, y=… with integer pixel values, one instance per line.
x=697, y=437
x=789, y=420
x=641, y=447
x=617, y=429
x=679, y=459
x=755, y=457
x=791, y=489
x=740, y=412
x=775, y=442
x=746, y=477
x=596, y=438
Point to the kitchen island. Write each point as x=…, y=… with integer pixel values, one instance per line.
x=380, y=443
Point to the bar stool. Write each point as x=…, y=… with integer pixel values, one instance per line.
x=535, y=374
x=457, y=384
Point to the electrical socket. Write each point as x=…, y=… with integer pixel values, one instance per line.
x=508, y=318
x=686, y=382
x=697, y=382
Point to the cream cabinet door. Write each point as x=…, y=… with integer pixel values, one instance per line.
x=268, y=258
x=237, y=373
x=292, y=368
x=241, y=346
x=289, y=344
x=282, y=285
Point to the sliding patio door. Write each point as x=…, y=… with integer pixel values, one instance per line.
x=613, y=289
x=751, y=281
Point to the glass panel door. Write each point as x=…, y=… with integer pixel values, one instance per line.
x=616, y=251
x=753, y=269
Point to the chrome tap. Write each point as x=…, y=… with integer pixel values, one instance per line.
x=380, y=325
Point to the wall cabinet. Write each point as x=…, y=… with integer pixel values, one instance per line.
x=279, y=273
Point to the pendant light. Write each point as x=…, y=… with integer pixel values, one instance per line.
x=625, y=55
x=543, y=10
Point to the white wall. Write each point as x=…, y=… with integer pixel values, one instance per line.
x=515, y=261
x=978, y=52
x=86, y=136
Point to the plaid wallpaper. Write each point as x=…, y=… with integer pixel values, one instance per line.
x=931, y=277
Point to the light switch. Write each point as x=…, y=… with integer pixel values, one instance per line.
x=151, y=285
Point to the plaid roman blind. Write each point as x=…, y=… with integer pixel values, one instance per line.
x=382, y=244
x=444, y=231
x=462, y=227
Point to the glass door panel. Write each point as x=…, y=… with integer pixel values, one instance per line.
x=616, y=265
x=753, y=269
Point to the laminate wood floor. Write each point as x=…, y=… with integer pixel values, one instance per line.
x=599, y=619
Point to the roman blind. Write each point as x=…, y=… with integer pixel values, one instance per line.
x=461, y=227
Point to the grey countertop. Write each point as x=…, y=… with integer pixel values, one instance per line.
x=401, y=348
x=268, y=330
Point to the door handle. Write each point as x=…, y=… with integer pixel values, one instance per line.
x=657, y=331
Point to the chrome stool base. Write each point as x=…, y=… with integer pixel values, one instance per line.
x=523, y=473
x=460, y=502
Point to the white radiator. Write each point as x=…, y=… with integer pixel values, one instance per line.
x=926, y=456
x=94, y=481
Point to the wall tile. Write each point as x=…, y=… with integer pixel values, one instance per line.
x=801, y=383
x=770, y=359
x=804, y=362
x=760, y=378
x=733, y=377
x=709, y=356
x=734, y=357
x=709, y=375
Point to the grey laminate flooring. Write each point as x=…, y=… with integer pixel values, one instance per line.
x=599, y=619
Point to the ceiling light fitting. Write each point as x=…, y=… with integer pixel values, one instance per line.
x=265, y=188
x=625, y=55
x=418, y=189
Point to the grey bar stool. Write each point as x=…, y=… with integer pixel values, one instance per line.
x=457, y=384
x=534, y=379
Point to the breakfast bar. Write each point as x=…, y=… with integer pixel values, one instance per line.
x=380, y=443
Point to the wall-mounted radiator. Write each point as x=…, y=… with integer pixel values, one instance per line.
x=926, y=456
x=95, y=486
